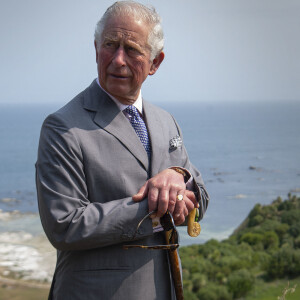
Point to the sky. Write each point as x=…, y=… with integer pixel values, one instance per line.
x=216, y=50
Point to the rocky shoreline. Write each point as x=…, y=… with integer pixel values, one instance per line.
x=26, y=256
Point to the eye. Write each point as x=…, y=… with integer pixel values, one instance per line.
x=109, y=44
x=132, y=51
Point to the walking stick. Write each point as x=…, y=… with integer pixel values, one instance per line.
x=174, y=263
x=193, y=229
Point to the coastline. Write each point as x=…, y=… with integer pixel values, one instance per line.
x=26, y=257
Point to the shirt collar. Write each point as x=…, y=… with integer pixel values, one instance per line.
x=138, y=103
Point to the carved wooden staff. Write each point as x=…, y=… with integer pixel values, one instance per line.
x=172, y=238
x=193, y=229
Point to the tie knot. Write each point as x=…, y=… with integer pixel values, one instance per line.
x=132, y=111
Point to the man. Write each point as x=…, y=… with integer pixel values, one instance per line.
x=99, y=173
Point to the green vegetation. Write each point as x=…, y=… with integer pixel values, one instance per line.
x=263, y=250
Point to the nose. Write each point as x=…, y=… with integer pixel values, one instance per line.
x=119, y=57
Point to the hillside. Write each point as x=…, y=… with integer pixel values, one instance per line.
x=265, y=248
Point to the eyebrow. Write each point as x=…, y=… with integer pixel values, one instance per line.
x=129, y=42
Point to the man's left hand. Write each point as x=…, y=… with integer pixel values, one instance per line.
x=184, y=207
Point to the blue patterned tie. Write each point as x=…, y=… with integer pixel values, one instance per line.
x=139, y=126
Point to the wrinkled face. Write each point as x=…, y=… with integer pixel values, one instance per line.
x=123, y=58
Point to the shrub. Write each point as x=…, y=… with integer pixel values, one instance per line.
x=214, y=292
x=255, y=211
x=251, y=238
x=286, y=205
x=189, y=295
x=230, y=263
x=240, y=283
x=258, y=219
x=294, y=269
x=295, y=230
x=290, y=217
x=209, y=247
x=297, y=242
x=285, y=262
x=198, y=281
x=270, y=240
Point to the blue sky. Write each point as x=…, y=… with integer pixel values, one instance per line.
x=216, y=50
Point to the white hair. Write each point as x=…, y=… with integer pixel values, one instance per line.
x=141, y=12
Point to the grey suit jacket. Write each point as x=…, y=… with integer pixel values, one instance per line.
x=90, y=163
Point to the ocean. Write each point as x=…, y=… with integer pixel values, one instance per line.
x=247, y=152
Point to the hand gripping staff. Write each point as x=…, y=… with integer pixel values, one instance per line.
x=171, y=236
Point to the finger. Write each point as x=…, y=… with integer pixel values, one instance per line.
x=180, y=195
x=191, y=196
x=179, y=212
x=141, y=194
x=163, y=202
x=153, y=194
x=172, y=200
x=181, y=219
x=188, y=204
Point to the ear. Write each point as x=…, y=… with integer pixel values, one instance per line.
x=156, y=63
x=95, y=43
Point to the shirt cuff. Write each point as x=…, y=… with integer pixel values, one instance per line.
x=190, y=180
x=156, y=225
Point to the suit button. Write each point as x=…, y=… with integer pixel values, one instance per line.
x=124, y=236
x=128, y=235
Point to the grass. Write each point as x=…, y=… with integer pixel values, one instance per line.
x=275, y=289
x=8, y=292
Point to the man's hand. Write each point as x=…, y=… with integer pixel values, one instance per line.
x=162, y=191
x=184, y=207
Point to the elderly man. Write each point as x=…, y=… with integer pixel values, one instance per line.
x=105, y=160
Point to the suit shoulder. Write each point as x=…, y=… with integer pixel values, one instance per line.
x=72, y=112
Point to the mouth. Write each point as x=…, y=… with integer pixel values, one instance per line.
x=118, y=76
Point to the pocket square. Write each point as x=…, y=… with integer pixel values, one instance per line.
x=175, y=142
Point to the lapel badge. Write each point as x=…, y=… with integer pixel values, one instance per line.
x=175, y=142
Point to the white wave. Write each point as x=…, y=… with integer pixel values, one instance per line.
x=26, y=256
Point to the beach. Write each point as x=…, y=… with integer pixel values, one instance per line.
x=25, y=255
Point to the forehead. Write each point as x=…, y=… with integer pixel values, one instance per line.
x=126, y=28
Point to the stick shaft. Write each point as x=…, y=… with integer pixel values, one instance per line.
x=175, y=269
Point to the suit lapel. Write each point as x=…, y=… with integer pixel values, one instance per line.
x=111, y=119
x=156, y=134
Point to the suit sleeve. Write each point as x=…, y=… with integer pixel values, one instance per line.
x=197, y=181
x=70, y=220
